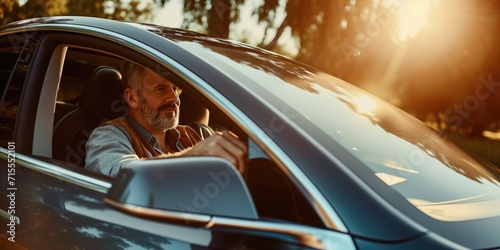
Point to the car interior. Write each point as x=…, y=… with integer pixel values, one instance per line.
x=81, y=104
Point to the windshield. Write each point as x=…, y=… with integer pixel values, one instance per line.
x=422, y=165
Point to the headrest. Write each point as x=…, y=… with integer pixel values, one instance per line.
x=192, y=111
x=102, y=98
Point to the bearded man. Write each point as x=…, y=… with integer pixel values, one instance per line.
x=151, y=129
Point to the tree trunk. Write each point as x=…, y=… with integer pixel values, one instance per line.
x=219, y=18
x=279, y=32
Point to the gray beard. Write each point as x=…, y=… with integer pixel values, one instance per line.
x=155, y=119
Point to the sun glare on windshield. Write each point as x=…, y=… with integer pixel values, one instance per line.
x=365, y=105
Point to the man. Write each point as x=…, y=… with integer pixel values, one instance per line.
x=151, y=128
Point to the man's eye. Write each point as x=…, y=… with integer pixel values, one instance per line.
x=165, y=89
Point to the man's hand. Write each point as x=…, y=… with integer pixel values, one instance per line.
x=223, y=144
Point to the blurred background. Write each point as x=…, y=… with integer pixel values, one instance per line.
x=436, y=59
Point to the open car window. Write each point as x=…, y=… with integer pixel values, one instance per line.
x=12, y=78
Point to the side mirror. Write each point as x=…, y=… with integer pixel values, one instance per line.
x=184, y=190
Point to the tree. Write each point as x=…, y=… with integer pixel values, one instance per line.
x=136, y=10
x=335, y=36
x=219, y=18
x=30, y=9
x=213, y=17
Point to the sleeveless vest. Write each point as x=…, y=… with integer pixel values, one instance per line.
x=188, y=138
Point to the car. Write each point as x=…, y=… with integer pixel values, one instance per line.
x=329, y=165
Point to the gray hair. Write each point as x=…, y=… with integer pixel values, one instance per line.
x=131, y=75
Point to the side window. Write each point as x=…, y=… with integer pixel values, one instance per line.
x=16, y=52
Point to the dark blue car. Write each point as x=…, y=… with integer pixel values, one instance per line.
x=330, y=166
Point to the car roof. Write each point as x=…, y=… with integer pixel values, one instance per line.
x=122, y=27
x=47, y=22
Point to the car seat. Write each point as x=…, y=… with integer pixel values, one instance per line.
x=195, y=115
x=101, y=100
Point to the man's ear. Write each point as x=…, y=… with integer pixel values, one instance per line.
x=131, y=97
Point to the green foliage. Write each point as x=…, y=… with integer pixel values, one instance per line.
x=6, y=7
x=30, y=9
x=135, y=10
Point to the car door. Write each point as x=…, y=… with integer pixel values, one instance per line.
x=59, y=208
x=55, y=207
x=44, y=204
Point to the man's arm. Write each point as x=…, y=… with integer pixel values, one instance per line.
x=108, y=150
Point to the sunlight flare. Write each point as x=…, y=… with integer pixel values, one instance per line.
x=413, y=16
x=365, y=104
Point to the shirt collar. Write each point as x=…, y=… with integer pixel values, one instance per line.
x=145, y=134
x=173, y=136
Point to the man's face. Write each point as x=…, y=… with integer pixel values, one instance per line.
x=159, y=101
